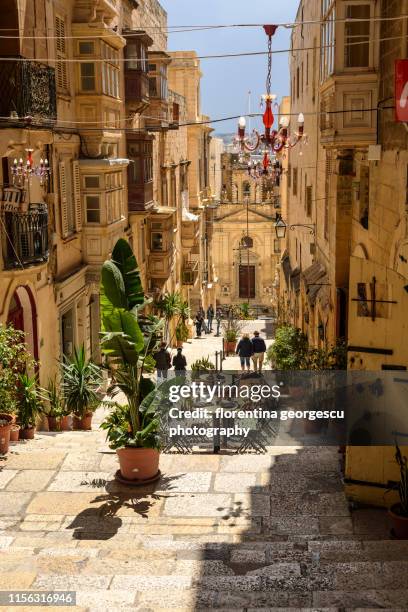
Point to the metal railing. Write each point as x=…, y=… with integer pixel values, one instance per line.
x=24, y=236
x=27, y=88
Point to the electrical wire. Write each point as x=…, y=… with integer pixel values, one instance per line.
x=192, y=123
x=92, y=60
x=197, y=28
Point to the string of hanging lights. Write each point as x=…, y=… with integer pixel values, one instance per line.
x=272, y=142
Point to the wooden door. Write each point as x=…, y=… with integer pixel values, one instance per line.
x=246, y=282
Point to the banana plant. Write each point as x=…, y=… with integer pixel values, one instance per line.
x=128, y=338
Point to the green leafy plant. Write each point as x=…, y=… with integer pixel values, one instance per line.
x=231, y=329
x=202, y=365
x=53, y=398
x=81, y=380
x=169, y=307
x=14, y=360
x=182, y=332
x=129, y=339
x=28, y=401
x=244, y=311
x=290, y=349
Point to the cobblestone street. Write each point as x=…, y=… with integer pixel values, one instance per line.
x=231, y=532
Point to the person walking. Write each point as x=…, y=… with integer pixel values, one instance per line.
x=202, y=317
x=197, y=324
x=163, y=362
x=218, y=317
x=259, y=350
x=180, y=363
x=210, y=318
x=245, y=351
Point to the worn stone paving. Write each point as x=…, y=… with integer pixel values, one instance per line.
x=225, y=532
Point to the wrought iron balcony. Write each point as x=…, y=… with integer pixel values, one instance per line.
x=27, y=88
x=24, y=236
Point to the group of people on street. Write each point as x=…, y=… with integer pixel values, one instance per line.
x=206, y=326
x=254, y=348
x=164, y=362
x=247, y=349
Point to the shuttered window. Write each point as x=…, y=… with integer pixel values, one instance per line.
x=77, y=196
x=61, y=68
x=63, y=200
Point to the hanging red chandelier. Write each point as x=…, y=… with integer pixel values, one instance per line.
x=271, y=141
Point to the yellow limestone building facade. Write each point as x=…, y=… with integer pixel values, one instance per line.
x=244, y=244
x=119, y=165
x=355, y=273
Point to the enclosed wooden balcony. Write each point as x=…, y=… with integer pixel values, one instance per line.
x=161, y=237
x=136, y=70
x=190, y=272
x=357, y=97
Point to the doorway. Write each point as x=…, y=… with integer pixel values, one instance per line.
x=22, y=315
x=246, y=282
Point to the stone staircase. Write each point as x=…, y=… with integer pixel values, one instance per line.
x=247, y=532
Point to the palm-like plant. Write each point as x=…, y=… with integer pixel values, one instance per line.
x=53, y=398
x=129, y=340
x=169, y=307
x=28, y=401
x=81, y=380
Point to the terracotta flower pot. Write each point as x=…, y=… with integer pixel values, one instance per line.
x=14, y=433
x=399, y=523
x=229, y=347
x=138, y=463
x=64, y=423
x=7, y=421
x=83, y=423
x=53, y=423
x=27, y=433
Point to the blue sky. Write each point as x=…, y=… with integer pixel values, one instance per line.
x=226, y=82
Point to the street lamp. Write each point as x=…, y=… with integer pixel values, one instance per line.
x=280, y=227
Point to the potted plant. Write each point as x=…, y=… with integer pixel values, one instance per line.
x=129, y=340
x=6, y=421
x=29, y=405
x=81, y=381
x=399, y=512
x=54, y=405
x=201, y=366
x=14, y=359
x=231, y=330
x=169, y=307
x=14, y=432
x=182, y=333
x=289, y=353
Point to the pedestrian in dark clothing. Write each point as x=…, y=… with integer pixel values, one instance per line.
x=218, y=319
x=259, y=347
x=163, y=362
x=245, y=351
x=179, y=363
x=198, y=324
x=210, y=317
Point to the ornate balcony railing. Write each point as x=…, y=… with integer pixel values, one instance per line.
x=24, y=236
x=27, y=88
